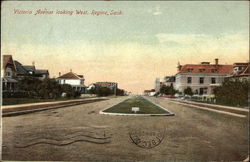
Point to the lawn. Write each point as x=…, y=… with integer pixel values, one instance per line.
x=145, y=106
x=15, y=101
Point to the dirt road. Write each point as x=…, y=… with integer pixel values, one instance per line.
x=81, y=133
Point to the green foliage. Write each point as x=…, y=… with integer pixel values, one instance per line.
x=47, y=89
x=188, y=91
x=120, y=92
x=233, y=93
x=168, y=90
x=101, y=91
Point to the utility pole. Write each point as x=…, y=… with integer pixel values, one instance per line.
x=115, y=89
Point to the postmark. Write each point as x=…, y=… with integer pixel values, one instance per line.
x=147, y=138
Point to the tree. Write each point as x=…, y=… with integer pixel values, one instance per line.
x=120, y=92
x=233, y=93
x=46, y=89
x=188, y=91
x=168, y=90
x=101, y=91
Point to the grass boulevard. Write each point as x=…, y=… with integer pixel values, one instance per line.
x=144, y=105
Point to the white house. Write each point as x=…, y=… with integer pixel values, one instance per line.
x=203, y=78
x=73, y=79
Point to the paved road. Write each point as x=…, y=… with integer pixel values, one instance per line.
x=81, y=133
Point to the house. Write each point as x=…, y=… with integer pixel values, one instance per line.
x=170, y=81
x=76, y=81
x=111, y=85
x=8, y=74
x=203, y=78
x=149, y=92
x=30, y=71
x=241, y=71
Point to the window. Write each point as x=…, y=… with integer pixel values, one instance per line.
x=213, y=70
x=201, y=70
x=189, y=79
x=213, y=80
x=189, y=70
x=201, y=80
x=8, y=74
x=203, y=91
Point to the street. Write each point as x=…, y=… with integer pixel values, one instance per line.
x=81, y=133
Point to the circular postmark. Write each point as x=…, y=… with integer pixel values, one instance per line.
x=147, y=138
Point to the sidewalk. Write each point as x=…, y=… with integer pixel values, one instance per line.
x=214, y=105
x=12, y=110
x=228, y=110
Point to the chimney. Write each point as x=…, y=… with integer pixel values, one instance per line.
x=216, y=61
x=179, y=66
x=33, y=63
x=59, y=74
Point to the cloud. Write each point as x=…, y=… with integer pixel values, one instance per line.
x=156, y=11
x=224, y=42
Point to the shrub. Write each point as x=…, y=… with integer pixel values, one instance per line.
x=188, y=91
x=232, y=93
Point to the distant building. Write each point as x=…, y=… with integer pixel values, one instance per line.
x=170, y=81
x=8, y=74
x=73, y=79
x=203, y=78
x=30, y=71
x=111, y=85
x=241, y=71
x=159, y=82
x=149, y=92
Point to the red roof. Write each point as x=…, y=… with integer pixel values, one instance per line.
x=240, y=64
x=7, y=59
x=71, y=75
x=148, y=91
x=194, y=68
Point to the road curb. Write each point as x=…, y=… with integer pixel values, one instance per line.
x=210, y=109
x=124, y=114
x=21, y=112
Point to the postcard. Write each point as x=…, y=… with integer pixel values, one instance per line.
x=125, y=80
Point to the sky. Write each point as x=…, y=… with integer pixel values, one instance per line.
x=144, y=41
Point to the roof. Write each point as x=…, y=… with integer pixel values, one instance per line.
x=20, y=69
x=244, y=72
x=7, y=59
x=70, y=75
x=147, y=91
x=219, y=69
x=240, y=64
x=170, y=78
x=29, y=68
x=41, y=71
x=10, y=80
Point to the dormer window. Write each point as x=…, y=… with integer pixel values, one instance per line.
x=189, y=70
x=201, y=70
x=213, y=70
